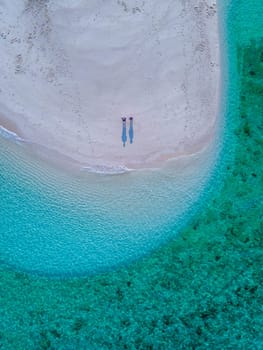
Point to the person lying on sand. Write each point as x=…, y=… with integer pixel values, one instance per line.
x=131, y=133
x=124, y=135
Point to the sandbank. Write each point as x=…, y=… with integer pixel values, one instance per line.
x=69, y=72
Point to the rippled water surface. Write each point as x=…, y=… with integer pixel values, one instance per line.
x=60, y=223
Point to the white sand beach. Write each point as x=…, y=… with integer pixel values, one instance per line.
x=69, y=71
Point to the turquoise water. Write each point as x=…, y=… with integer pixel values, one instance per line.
x=55, y=223
x=204, y=289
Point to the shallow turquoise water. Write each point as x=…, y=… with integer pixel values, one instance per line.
x=55, y=223
x=201, y=291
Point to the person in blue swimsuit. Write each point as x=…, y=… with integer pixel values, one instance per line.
x=124, y=134
x=131, y=133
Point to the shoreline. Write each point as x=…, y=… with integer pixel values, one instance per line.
x=63, y=161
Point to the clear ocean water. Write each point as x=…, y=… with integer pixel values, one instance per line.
x=66, y=224
x=202, y=290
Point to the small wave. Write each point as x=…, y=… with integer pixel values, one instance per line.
x=10, y=135
x=106, y=170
